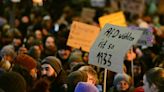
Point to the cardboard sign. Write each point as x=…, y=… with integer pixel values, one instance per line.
x=111, y=45
x=161, y=7
x=133, y=6
x=82, y=35
x=147, y=37
x=87, y=15
x=98, y=3
x=114, y=18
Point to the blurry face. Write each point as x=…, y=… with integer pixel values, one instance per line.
x=37, y=51
x=136, y=70
x=50, y=42
x=64, y=54
x=91, y=79
x=38, y=34
x=30, y=40
x=122, y=86
x=17, y=42
x=47, y=70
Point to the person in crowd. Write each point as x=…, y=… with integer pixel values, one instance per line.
x=138, y=71
x=122, y=83
x=154, y=80
x=50, y=48
x=27, y=62
x=92, y=74
x=75, y=58
x=75, y=77
x=35, y=52
x=41, y=85
x=38, y=35
x=12, y=82
x=27, y=67
x=85, y=87
x=63, y=54
x=7, y=53
x=52, y=70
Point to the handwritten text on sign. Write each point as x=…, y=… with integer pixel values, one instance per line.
x=111, y=45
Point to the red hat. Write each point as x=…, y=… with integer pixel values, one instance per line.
x=26, y=61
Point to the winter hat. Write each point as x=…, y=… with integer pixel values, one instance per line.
x=76, y=56
x=85, y=87
x=74, y=78
x=26, y=61
x=122, y=76
x=12, y=82
x=54, y=62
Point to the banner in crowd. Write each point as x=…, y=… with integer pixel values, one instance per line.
x=147, y=37
x=133, y=6
x=117, y=18
x=98, y=3
x=82, y=35
x=87, y=15
x=110, y=47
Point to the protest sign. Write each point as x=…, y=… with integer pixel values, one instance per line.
x=146, y=38
x=117, y=18
x=98, y=3
x=82, y=35
x=161, y=7
x=133, y=6
x=111, y=45
x=87, y=15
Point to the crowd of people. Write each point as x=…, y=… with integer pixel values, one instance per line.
x=34, y=56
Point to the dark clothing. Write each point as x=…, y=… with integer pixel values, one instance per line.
x=59, y=84
x=113, y=89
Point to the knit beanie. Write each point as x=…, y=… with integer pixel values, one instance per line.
x=75, y=77
x=122, y=76
x=85, y=87
x=26, y=61
x=54, y=62
x=12, y=82
x=76, y=56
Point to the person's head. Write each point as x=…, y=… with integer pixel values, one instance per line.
x=8, y=53
x=92, y=74
x=38, y=34
x=50, y=67
x=22, y=50
x=50, y=42
x=75, y=77
x=122, y=82
x=12, y=82
x=35, y=52
x=154, y=80
x=64, y=53
x=17, y=42
x=27, y=62
x=41, y=85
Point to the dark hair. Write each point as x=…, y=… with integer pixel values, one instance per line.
x=156, y=76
